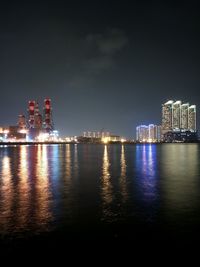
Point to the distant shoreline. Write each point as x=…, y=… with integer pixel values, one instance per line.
x=89, y=143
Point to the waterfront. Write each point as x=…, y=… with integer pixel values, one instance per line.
x=99, y=192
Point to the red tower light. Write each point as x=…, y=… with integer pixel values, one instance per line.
x=31, y=111
x=48, y=114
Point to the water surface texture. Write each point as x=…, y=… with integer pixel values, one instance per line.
x=99, y=191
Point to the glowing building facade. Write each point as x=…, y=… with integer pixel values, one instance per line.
x=148, y=133
x=184, y=116
x=142, y=133
x=178, y=117
x=167, y=116
x=192, y=124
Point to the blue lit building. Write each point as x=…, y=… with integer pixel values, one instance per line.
x=148, y=133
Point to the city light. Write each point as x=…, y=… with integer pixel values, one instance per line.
x=23, y=131
x=43, y=137
x=105, y=140
x=179, y=123
x=148, y=133
x=6, y=131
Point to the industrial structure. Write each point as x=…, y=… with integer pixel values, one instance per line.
x=39, y=124
x=34, y=127
x=37, y=117
x=31, y=114
x=36, y=120
x=48, y=120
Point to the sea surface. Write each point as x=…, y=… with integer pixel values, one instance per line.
x=99, y=192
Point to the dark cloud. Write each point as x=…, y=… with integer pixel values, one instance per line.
x=109, y=42
x=100, y=51
x=99, y=64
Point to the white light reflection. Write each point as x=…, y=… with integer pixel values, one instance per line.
x=76, y=167
x=67, y=181
x=24, y=189
x=68, y=162
x=43, y=193
x=106, y=183
x=106, y=188
x=6, y=194
x=123, y=184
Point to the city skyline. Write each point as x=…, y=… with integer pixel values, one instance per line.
x=176, y=116
x=105, y=67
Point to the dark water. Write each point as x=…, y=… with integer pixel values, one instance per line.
x=111, y=192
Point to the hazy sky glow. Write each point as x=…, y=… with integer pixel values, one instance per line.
x=105, y=65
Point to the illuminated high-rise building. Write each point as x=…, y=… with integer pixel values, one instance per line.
x=142, y=133
x=167, y=116
x=148, y=133
x=159, y=133
x=192, y=124
x=176, y=115
x=179, y=122
x=184, y=116
x=154, y=133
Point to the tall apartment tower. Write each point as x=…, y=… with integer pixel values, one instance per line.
x=154, y=133
x=192, y=120
x=148, y=133
x=142, y=133
x=176, y=115
x=184, y=116
x=167, y=116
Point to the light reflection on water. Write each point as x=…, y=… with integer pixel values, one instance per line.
x=24, y=189
x=148, y=167
x=180, y=181
x=146, y=183
x=6, y=195
x=123, y=178
x=107, y=190
x=68, y=162
x=50, y=186
x=42, y=185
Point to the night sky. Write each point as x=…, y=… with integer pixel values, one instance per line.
x=105, y=65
